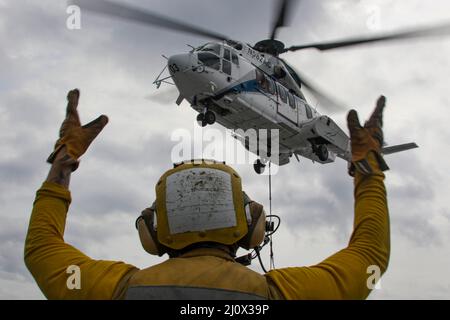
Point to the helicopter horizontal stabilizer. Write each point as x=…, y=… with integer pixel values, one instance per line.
x=399, y=148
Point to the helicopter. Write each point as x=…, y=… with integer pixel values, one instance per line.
x=243, y=86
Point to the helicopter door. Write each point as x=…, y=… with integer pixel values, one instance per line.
x=287, y=107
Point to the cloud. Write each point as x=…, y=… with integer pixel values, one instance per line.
x=418, y=229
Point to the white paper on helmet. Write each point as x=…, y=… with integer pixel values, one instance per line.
x=199, y=199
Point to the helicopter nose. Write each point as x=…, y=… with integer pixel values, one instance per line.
x=179, y=63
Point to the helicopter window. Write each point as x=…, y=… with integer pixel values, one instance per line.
x=282, y=92
x=308, y=111
x=235, y=59
x=262, y=80
x=271, y=86
x=298, y=102
x=238, y=46
x=259, y=76
x=234, y=44
x=209, y=60
x=291, y=100
x=226, y=66
x=212, y=47
x=226, y=54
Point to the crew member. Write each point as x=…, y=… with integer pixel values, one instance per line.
x=199, y=218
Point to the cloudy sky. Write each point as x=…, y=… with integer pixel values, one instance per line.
x=114, y=64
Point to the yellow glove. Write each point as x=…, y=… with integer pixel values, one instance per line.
x=366, y=139
x=73, y=136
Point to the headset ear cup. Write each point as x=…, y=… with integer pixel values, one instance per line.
x=147, y=232
x=256, y=230
x=147, y=241
x=257, y=236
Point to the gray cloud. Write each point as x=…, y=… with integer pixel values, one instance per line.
x=418, y=229
x=12, y=239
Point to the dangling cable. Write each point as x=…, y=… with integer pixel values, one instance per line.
x=246, y=259
x=259, y=258
x=272, y=262
x=270, y=230
x=270, y=190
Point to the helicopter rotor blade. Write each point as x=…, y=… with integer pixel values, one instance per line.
x=281, y=21
x=327, y=103
x=130, y=13
x=443, y=29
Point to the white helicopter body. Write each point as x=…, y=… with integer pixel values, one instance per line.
x=236, y=86
x=250, y=87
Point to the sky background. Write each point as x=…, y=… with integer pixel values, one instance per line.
x=114, y=64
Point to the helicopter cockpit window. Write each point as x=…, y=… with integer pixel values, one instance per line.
x=209, y=60
x=211, y=47
x=234, y=44
x=283, y=93
x=291, y=100
x=226, y=64
x=226, y=54
x=235, y=59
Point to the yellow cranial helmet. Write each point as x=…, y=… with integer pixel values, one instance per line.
x=200, y=201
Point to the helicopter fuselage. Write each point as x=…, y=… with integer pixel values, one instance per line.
x=246, y=89
x=243, y=86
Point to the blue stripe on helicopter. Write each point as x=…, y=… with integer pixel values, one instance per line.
x=246, y=86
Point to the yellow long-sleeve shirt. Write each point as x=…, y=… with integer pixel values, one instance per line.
x=341, y=276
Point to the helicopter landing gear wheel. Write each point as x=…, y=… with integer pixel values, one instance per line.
x=259, y=166
x=210, y=117
x=322, y=152
x=201, y=120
